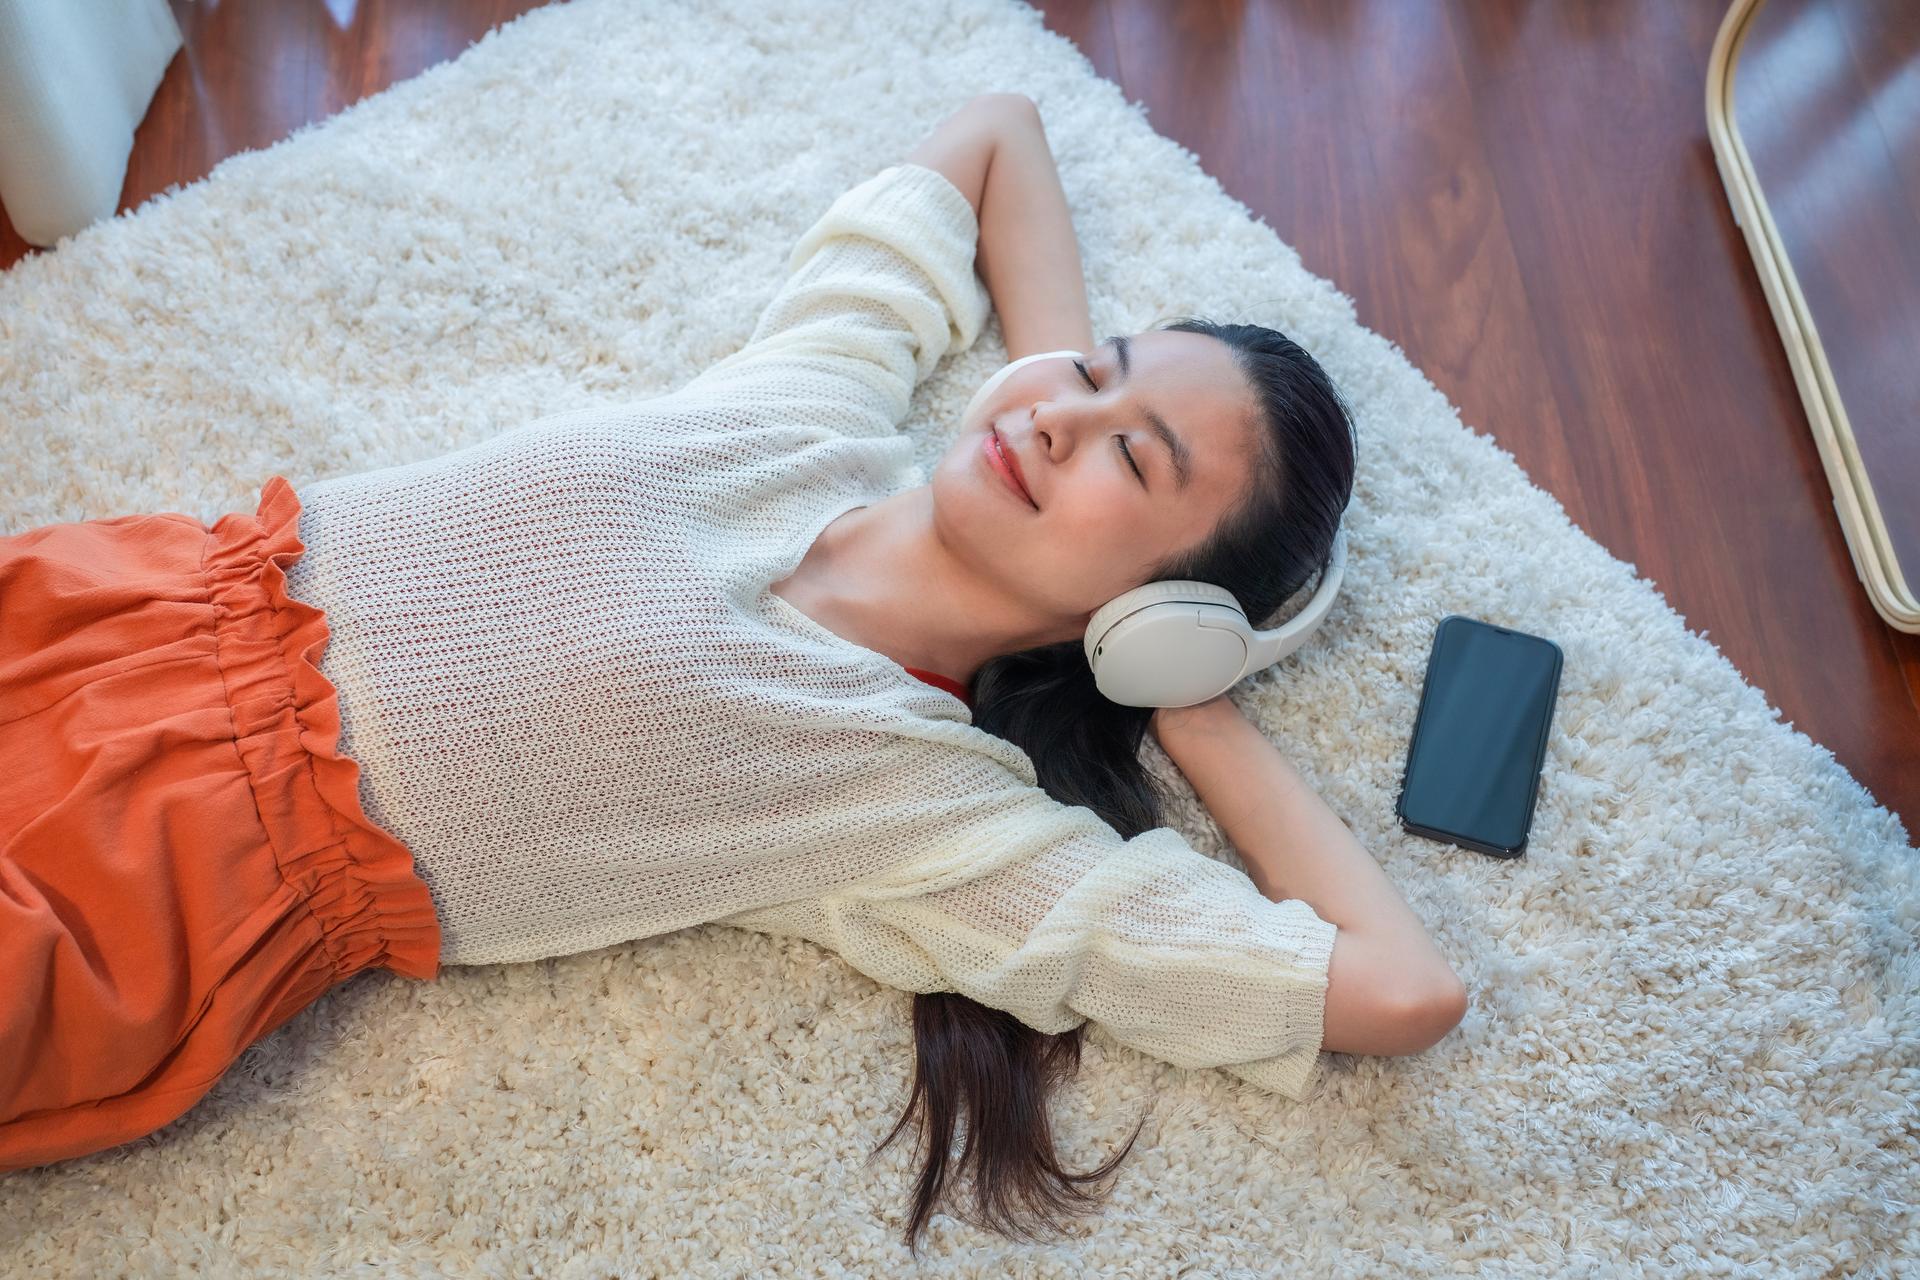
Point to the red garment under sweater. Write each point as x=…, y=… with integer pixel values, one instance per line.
x=952, y=686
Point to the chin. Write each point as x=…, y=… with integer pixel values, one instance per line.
x=975, y=521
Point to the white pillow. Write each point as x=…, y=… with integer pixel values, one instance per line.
x=76, y=76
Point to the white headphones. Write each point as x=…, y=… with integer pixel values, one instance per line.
x=1176, y=643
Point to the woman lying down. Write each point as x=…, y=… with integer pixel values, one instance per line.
x=725, y=656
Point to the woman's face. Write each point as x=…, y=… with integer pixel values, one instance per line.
x=1094, y=527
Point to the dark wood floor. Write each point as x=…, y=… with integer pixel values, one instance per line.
x=1521, y=195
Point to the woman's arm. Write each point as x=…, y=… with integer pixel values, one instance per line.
x=1389, y=989
x=995, y=151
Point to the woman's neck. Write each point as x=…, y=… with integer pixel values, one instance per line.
x=879, y=577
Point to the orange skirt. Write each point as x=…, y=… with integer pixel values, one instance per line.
x=184, y=862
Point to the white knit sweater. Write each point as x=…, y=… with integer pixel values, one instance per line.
x=572, y=694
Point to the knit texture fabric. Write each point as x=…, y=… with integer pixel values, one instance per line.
x=573, y=695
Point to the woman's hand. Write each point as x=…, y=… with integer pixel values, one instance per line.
x=1178, y=724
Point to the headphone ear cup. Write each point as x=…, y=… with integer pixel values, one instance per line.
x=1168, y=644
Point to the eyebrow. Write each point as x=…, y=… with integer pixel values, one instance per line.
x=1182, y=456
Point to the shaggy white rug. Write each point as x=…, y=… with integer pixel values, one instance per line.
x=1693, y=1045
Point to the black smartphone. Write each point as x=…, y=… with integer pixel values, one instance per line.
x=1480, y=736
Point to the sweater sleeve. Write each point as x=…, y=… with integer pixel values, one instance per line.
x=878, y=290
x=1172, y=952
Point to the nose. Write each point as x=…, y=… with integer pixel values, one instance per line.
x=1057, y=428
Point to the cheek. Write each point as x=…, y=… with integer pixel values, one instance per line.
x=1104, y=519
x=991, y=398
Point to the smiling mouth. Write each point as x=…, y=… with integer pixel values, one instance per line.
x=998, y=458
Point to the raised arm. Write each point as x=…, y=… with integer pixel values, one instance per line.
x=1389, y=989
x=994, y=149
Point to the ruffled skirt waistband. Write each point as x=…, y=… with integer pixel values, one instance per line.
x=358, y=878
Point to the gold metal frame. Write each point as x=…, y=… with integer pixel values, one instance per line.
x=1853, y=498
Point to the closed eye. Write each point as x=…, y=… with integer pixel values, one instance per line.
x=1122, y=440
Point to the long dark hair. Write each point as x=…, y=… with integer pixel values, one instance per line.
x=985, y=1063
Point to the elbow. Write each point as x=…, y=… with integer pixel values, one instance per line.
x=1427, y=1012
x=1380, y=1000
x=1014, y=106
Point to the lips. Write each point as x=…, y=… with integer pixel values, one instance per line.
x=998, y=452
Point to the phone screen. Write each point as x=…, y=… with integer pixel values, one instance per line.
x=1480, y=736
